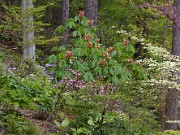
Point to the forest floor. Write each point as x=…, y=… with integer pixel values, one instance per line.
x=12, y=58
x=47, y=126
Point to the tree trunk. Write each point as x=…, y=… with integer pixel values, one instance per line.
x=91, y=11
x=28, y=29
x=176, y=31
x=65, y=16
x=171, y=108
x=56, y=16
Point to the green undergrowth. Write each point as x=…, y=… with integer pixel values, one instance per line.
x=13, y=123
x=170, y=132
x=23, y=91
x=10, y=57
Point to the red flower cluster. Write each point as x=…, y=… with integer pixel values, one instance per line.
x=137, y=62
x=102, y=62
x=97, y=40
x=105, y=54
x=68, y=54
x=98, y=47
x=90, y=22
x=125, y=41
x=81, y=13
x=110, y=49
x=129, y=60
x=87, y=36
x=90, y=44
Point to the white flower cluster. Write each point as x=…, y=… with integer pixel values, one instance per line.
x=163, y=84
x=130, y=35
x=165, y=69
x=162, y=72
x=122, y=32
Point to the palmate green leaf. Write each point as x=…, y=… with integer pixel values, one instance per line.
x=118, y=45
x=75, y=33
x=130, y=48
x=118, y=68
x=93, y=64
x=52, y=59
x=111, y=71
x=69, y=20
x=65, y=123
x=78, y=52
x=94, y=29
x=94, y=57
x=125, y=76
x=95, y=50
x=90, y=122
x=70, y=25
x=111, y=62
x=76, y=18
x=114, y=53
x=80, y=66
x=54, y=49
x=59, y=30
x=62, y=63
x=73, y=129
x=83, y=23
x=88, y=76
x=85, y=30
x=50, y=69
x=100, y=71
x=141, y=75
x=79, y=34
x=59, y=75
x=61, y=56
x=133, y=66
x=80, y=42
x=115, y=80
x=57, y=124
x=68, y=74
x=105, y=70
x=83, y=131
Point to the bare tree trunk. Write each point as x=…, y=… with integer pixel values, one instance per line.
x=176, y=31
x=171, y=108
x=91, y=11
x=28, y=29
x=65, y=16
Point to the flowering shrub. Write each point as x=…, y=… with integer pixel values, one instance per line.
x=85, y=55
x=159, y=65
x=88, y=65
x=95, y=71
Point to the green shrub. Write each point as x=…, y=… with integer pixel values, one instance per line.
x=14, y=123
x=170, y=132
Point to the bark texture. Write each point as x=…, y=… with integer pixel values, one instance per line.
x=28, y=33
x=176, y=31
x=171, y=108
x=56, y=16
x=91, y=11
x=65, y=16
